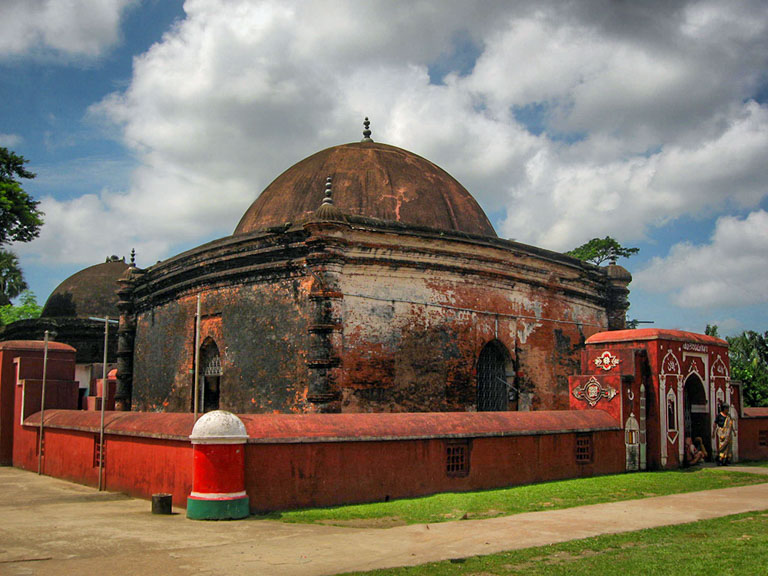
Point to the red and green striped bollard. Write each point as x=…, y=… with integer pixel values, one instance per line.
x=218, y=478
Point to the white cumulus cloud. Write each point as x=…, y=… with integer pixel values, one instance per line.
x=569, y=196
x=730, y=271
x=79, y=28
x=574, y=122
x=10, y=140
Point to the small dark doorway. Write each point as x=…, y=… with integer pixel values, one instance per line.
x=210, y=376
x=493, y=393
x=696, y=411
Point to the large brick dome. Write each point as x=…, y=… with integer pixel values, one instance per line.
x=371, y=180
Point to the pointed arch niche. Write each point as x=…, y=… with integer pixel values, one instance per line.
x=496, y=389
x=209, y=376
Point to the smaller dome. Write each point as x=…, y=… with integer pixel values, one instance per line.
x=90, y=292
x=618, y=273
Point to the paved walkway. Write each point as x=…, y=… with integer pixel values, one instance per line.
x=48, y=526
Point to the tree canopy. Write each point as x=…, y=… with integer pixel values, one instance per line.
x=25, y=309
x=749, y=365
x=748, y=353
x=20, y=219
x=599, y=250
x=11, y=278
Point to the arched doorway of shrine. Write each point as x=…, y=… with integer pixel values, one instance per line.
x=696, y=422
x=495, y=379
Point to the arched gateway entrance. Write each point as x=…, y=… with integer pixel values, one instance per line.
x=696, y=422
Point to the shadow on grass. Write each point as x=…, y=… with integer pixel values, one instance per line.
x=447, y=507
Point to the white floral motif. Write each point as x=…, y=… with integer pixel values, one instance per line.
x=719, y=369
x=593, y=391
x=606, y=361
x=672, y=366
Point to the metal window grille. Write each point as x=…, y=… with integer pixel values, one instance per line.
x=671, y=411
x=584, y=449
x=492, y=392
x=457, y=458
x=98, y=454
x=212, y=366
x=762, y=437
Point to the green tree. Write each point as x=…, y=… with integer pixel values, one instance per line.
x=20, y=219
x=11, y=278
x=25, y=309
x=748, y=353
x=711, y=330
x=599, y=250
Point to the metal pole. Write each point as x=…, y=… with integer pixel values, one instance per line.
x=42, y=407
x=197, y=359
x=104, y=396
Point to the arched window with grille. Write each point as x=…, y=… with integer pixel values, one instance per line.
x=493, y=390
x=210, y=376
x=632, y=442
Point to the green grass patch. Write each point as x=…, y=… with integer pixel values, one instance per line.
x=731, y=545
x=530, y=498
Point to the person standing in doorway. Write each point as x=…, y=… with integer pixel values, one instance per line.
x=723, y=431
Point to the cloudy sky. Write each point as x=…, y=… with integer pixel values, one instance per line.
x=154, y=124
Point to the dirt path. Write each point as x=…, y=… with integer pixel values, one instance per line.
x=48, y=526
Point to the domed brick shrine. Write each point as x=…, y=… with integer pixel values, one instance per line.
x=363, y=279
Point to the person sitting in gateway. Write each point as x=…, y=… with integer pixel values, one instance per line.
x=699, y=443
x=693, y=455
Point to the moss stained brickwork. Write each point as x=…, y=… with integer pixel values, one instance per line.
x=358, y=316
x=260, y=332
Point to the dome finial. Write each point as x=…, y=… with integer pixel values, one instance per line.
x=328, y=200
x=133, y=257
x=327, y=211
x=367, y=131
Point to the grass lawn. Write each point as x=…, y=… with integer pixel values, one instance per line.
x=530, y=498
x=730, y=545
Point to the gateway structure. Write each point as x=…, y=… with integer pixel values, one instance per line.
x=663, y=386
x=363, y=279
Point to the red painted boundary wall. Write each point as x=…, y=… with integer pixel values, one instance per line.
x=145, y=454
x=326, y=459
x=23, y=361
x=753, y=434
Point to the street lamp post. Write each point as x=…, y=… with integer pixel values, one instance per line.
x=104, y=395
